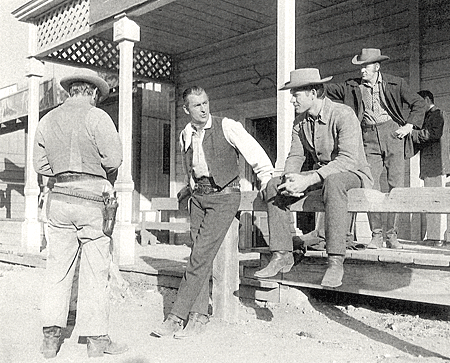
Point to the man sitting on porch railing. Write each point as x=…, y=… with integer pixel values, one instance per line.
x=330, y=132
x=210, y=147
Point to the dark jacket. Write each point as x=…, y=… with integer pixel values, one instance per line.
x=397, y=95
x=432, y=140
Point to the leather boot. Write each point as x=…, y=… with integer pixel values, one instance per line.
x=195, y=326
x=392, y=242
x=102, y=344
x=280, y=261
x=50, y=344
x=376, y=242
x=169, y=327
x=335, y=271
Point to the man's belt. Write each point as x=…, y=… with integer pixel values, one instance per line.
x=72, y=193
x=70, y=177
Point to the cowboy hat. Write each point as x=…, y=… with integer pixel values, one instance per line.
x=369, y=55
x=101, y=84
x=304, y=77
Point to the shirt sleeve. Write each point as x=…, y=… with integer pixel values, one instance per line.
x=40, y=160
x=108, y=143
x=250, y=149
x=296, y=156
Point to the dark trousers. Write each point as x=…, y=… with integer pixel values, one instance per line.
x=211, y=216
x=337, y=219
x=384, y=150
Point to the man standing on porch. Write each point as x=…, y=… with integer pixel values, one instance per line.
x=330, y=132
x=378, y=99
x=210, y=147
x=78, y=145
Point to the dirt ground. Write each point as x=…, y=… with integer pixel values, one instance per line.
x=325, y=328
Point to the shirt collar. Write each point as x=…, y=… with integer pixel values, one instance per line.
x=189, y=130
x=378, y=81
x=319, y=116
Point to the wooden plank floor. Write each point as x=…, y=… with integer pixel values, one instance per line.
x=416, y=273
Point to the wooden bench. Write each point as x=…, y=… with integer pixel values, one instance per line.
x=158, y=206
x=400, y=200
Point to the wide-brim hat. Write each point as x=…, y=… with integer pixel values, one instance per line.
x=369, y=55
x=304, y=77
x=100, y=83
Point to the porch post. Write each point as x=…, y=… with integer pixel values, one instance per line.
x=126, y=32
x=285, y=64
x=31, y=227
x=414, y=83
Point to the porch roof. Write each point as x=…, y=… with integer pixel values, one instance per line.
x=173, y=27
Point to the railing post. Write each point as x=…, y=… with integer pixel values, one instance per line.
x=225, y=290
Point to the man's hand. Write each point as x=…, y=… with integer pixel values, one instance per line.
x=295, y=184
x=401, y=132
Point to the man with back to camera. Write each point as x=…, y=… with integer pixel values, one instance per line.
x=378, y=99
x=209, y=146
x=78, y=145
x=330, y=132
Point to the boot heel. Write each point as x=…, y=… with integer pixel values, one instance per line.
x=287, y=268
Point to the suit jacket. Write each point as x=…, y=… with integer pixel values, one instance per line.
x=432, y=140
x=335, y=147
x=397, y=95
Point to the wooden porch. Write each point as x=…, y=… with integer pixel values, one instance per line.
x=420, y=272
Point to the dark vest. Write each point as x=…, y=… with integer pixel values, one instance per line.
x=221, y=157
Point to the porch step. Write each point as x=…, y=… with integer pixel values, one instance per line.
x=412, y=282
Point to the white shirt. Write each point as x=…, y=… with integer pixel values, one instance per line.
x=237, y=137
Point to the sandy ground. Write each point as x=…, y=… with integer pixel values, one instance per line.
x=325, y=328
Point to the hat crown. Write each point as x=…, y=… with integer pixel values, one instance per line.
x=368, y=53
x=303, y=77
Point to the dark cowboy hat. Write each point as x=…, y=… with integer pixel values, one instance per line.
x=304, y=77
x=101, y=84
x=369, y=55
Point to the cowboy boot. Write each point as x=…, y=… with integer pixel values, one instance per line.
x=392, y=242
x=50, y=344
x=195, y=326
x=280, y=261
x=102, y=344
x=169, y=327
x=335, y=271
x=377, y=241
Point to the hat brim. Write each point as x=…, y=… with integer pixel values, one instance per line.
x=290, y=85
x=101, y=84
x=369, y=60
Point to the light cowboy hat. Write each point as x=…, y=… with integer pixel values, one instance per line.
x=369, y=55
x=101, y=84
x=304, y=77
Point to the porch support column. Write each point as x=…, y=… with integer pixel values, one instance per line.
x=31, y=227
x=285, y=64
x=126, y=32
x=414, y=83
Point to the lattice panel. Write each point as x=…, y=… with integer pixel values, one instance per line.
x=104, y=54
x=63, y=23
